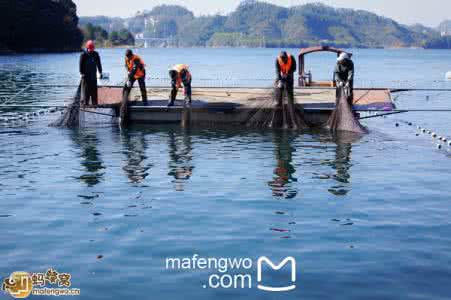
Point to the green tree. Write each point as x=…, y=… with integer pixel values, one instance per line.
x=123, y=37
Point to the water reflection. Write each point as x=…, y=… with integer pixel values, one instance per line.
x=91, y=161
x=283, y=184
x=135, y=151
x=283, y=173
x=342, y=162
x=180, y=157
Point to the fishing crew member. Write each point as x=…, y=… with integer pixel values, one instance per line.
x=89, y=64
x=136, y=71
x=344, y=76
x=179, y=75
x=285, y=68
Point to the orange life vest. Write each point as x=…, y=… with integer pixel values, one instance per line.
x=179, y=68
x=130, y=62
x=285, y=68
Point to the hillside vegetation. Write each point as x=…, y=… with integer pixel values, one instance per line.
x=39, y=26
x=260, y=24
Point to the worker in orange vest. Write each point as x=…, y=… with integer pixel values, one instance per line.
x=285, y=68
x=179, y=75
x=136, y=70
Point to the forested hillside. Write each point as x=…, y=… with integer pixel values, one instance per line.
x=39, y=26
x=260, y=24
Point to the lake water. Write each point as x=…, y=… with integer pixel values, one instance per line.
x=366, y=218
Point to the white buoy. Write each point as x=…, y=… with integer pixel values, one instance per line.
x=449, y=143
x=423, y=130
x=52, y=110
x=439, y=146
x=448, y=75
x=434, y=135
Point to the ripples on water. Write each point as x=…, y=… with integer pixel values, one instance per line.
x=365, y=217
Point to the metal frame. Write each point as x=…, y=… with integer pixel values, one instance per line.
x=305, y=51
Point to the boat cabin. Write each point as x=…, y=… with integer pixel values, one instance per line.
x=306, y=78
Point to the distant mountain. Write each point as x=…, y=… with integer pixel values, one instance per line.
x=260, y=24
x=107, y=23
x=39, y=26
x=445, y=28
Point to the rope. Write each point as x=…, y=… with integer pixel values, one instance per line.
x=31, y=106
x=16, y=95
x=404, y=110
x=382, y=115
x=97, y=113
x=419, y=90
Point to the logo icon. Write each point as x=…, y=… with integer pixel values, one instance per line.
x=288, y=260
x=19, y=285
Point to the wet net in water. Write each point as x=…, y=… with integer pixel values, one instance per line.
x=76, y=114
x=259, y=111
x=71, y=115
x=343, y=118
x=123, y=110
x=268, y=114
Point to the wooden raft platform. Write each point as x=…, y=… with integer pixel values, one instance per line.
x=229, y=105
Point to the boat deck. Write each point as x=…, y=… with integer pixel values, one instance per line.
x=230, y=105
x=317, y=98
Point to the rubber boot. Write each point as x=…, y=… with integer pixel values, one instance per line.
x=187, y=101
x=172, y=97
x=144, y=97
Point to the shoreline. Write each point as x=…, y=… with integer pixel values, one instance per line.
x=4, y=52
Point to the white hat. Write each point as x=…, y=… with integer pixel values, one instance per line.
x=343, y=56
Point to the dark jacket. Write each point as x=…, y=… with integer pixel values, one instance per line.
x=89, y=64
x=290, y=74
x=344, y=72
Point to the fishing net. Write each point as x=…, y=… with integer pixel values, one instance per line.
x=71, y=114
x=343, y=118
x=267, y=114
x=123, y=110
x=254, y=109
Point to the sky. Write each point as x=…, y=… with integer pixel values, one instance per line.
x=429, y=13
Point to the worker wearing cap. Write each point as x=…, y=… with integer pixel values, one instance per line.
x=285, y=68
x=179, y=75
x=89, y=64
x=344, y=76
x=136, y=70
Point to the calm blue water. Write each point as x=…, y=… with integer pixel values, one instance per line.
x=364, y=218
